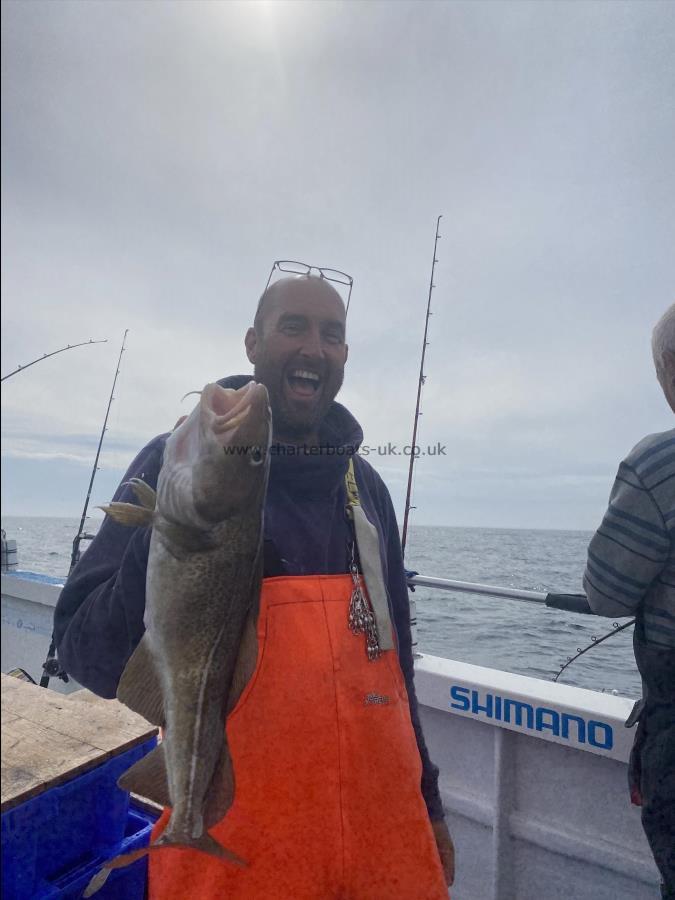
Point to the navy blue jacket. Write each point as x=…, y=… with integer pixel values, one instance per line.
x=98, y=620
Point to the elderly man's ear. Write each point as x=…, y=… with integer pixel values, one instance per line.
x=666, y=376
x=251, y=343
x=668, y=358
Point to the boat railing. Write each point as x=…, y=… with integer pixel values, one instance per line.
x=576, y=603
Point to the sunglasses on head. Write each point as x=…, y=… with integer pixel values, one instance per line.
x=292, y=267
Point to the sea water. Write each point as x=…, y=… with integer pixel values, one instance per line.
x=513, y=635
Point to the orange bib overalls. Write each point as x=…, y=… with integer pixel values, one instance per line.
x=328, y=804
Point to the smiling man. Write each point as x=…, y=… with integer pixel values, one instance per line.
x=335, y=793
x=298, y=350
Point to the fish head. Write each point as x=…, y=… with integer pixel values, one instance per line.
x=216, y=462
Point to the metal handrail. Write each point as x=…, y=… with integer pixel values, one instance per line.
x=576, y=603
x=446, y=584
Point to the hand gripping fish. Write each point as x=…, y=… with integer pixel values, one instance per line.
x=202, y=589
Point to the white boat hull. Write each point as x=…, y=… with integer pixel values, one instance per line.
x=28, y=602
x=534, y=816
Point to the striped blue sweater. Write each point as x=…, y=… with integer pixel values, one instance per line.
x=631, y=559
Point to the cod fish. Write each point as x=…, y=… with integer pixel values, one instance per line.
x=202, y=594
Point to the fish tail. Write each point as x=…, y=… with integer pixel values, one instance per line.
x=205, y=844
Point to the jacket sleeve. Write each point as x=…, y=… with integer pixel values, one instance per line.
x=629, y=549
x=398, y=593
x=98, y=620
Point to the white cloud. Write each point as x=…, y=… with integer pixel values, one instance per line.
x=151, y=177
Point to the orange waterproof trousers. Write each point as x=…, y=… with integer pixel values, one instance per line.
x=327, y=802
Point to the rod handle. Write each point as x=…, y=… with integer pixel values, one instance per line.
x=576, y=603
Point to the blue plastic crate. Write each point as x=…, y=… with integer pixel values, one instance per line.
x=122, y=884
x=66, y=826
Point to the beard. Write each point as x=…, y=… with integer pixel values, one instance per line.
x=292, y=419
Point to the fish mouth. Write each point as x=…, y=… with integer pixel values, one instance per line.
x=228, y=408
x=303, y=382
x=223, y=443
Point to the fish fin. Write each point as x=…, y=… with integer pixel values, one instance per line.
x=205, y=844
x=246, y=663
x=145, y=495
x=140, y=688
x=220, y=794
x=148, y=778
x=97, y=882
x=100, y=878
x=128, y=514
x=185, y=538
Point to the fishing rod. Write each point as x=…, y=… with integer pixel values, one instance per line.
x=51, y=666
x=616, y=628
x=420, y=382
x=47, y=355
x=80, y=533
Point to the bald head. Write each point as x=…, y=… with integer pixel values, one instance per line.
x=305, y=286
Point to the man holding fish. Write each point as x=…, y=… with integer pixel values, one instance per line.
x=274, y=651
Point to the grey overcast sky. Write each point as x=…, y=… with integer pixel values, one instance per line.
x=157, y=157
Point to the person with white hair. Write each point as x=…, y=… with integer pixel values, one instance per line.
x=631, y=571
x=663, y=350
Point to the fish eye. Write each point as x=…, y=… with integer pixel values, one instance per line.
x=255, y=456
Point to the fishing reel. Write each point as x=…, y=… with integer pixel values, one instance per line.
x=52, y=669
